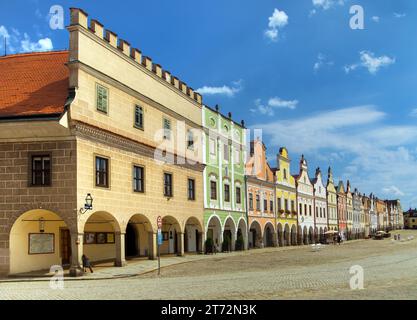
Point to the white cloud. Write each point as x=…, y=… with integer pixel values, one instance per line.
x=399, y=15
x=277, y=102
x=277, y=21
x=229, y=91
x=327, y=4
x=18, y=43
x=369, y=152
x=413, y=112
x=393, y=190
x=321, y=62
x=376, y=19
x=370, y=62
x=273, y=103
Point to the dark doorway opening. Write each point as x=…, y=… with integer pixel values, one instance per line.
x=131, y=246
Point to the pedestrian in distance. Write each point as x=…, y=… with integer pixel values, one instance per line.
x=86, y=264
x=339, y=239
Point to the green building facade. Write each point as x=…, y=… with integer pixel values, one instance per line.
x=224, y=154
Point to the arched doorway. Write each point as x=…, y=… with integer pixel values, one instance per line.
x=269, y=235
x=242, y=235
x=280, y=235
x=293, y=235
x=255, y=235
x=139, y=237
x=214, y=233
x=300, y=239
x=287, y=235
x=100, y=237
x=38, y=240
x=305, y=236
x=171, y=235
x=193, y=236
x=229, y=235
x=311, y=235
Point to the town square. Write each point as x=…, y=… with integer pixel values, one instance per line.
x=122, y=180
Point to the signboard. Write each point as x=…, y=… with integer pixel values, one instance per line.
x=160, y=238
x=159, y=222
x=41, y=243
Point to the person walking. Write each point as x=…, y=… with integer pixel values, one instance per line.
x=86, y=263
x=339, y=239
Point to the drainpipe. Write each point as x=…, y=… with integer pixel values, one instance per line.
x=246, y=210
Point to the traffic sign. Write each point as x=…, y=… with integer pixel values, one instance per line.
x=159, y=222
x=160, y=240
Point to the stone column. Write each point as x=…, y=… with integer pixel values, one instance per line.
x=180, y=240
x=76, y=268
x=201, y=241
x=120, y=250
x=275, y=239
x=153, y=245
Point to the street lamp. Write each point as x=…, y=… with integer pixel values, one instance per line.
x=88, y=204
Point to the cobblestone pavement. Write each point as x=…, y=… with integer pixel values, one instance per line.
x=297, y=273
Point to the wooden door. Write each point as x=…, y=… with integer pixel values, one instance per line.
x=65, y=243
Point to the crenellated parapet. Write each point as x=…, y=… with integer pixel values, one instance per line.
x=80, y=18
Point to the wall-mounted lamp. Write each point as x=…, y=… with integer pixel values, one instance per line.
x=88, y=204
x=41, y=225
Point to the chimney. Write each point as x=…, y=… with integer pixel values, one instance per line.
x=79, y=17
x=147, y=62
x=243, y=123
x=97, y=28
x=217, y=108
x=111, y=38
x=136, y=55
x=230, y=115
x=124, y=46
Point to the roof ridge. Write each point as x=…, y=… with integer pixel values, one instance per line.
x=27, y=54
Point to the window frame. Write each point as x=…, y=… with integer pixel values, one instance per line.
x=99, y=86
x=238, y=192
x=135, y=166
x=164, y=121
x=135, y=123
x=31, y=172
x=211, y=190
x=107, y=172
x=193, y=191
x=171, y=194
x=226, y=199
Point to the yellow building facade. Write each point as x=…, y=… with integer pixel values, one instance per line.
x=286, y=194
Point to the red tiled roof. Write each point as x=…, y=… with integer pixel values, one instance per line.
x=33, y=84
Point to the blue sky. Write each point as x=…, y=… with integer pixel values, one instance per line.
x=296, y=69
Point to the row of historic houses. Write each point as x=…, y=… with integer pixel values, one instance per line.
x=104, y=153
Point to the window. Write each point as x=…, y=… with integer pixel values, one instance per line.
x=250, y=201
x=138, y=179
x=237, y=157
x=190, y=140
x=226, y=152
x=102, y=172
x=301, y=209
x=191, y=189
x=310, y=210
x=265, y=205
x=238, y=195
x=168, y=185
x=226, y=193
x=321, y=212
x=286, y=205
x=213, y=190
x=258, y=203
x=212, y=147
x=167, y=129
x=271, y=206
x=41, y=170
x=279, y=204
x=139, y=117
x=285, y=174
x=292, y=205
x=102, y=98
x=305, y=209
x=317, y=212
